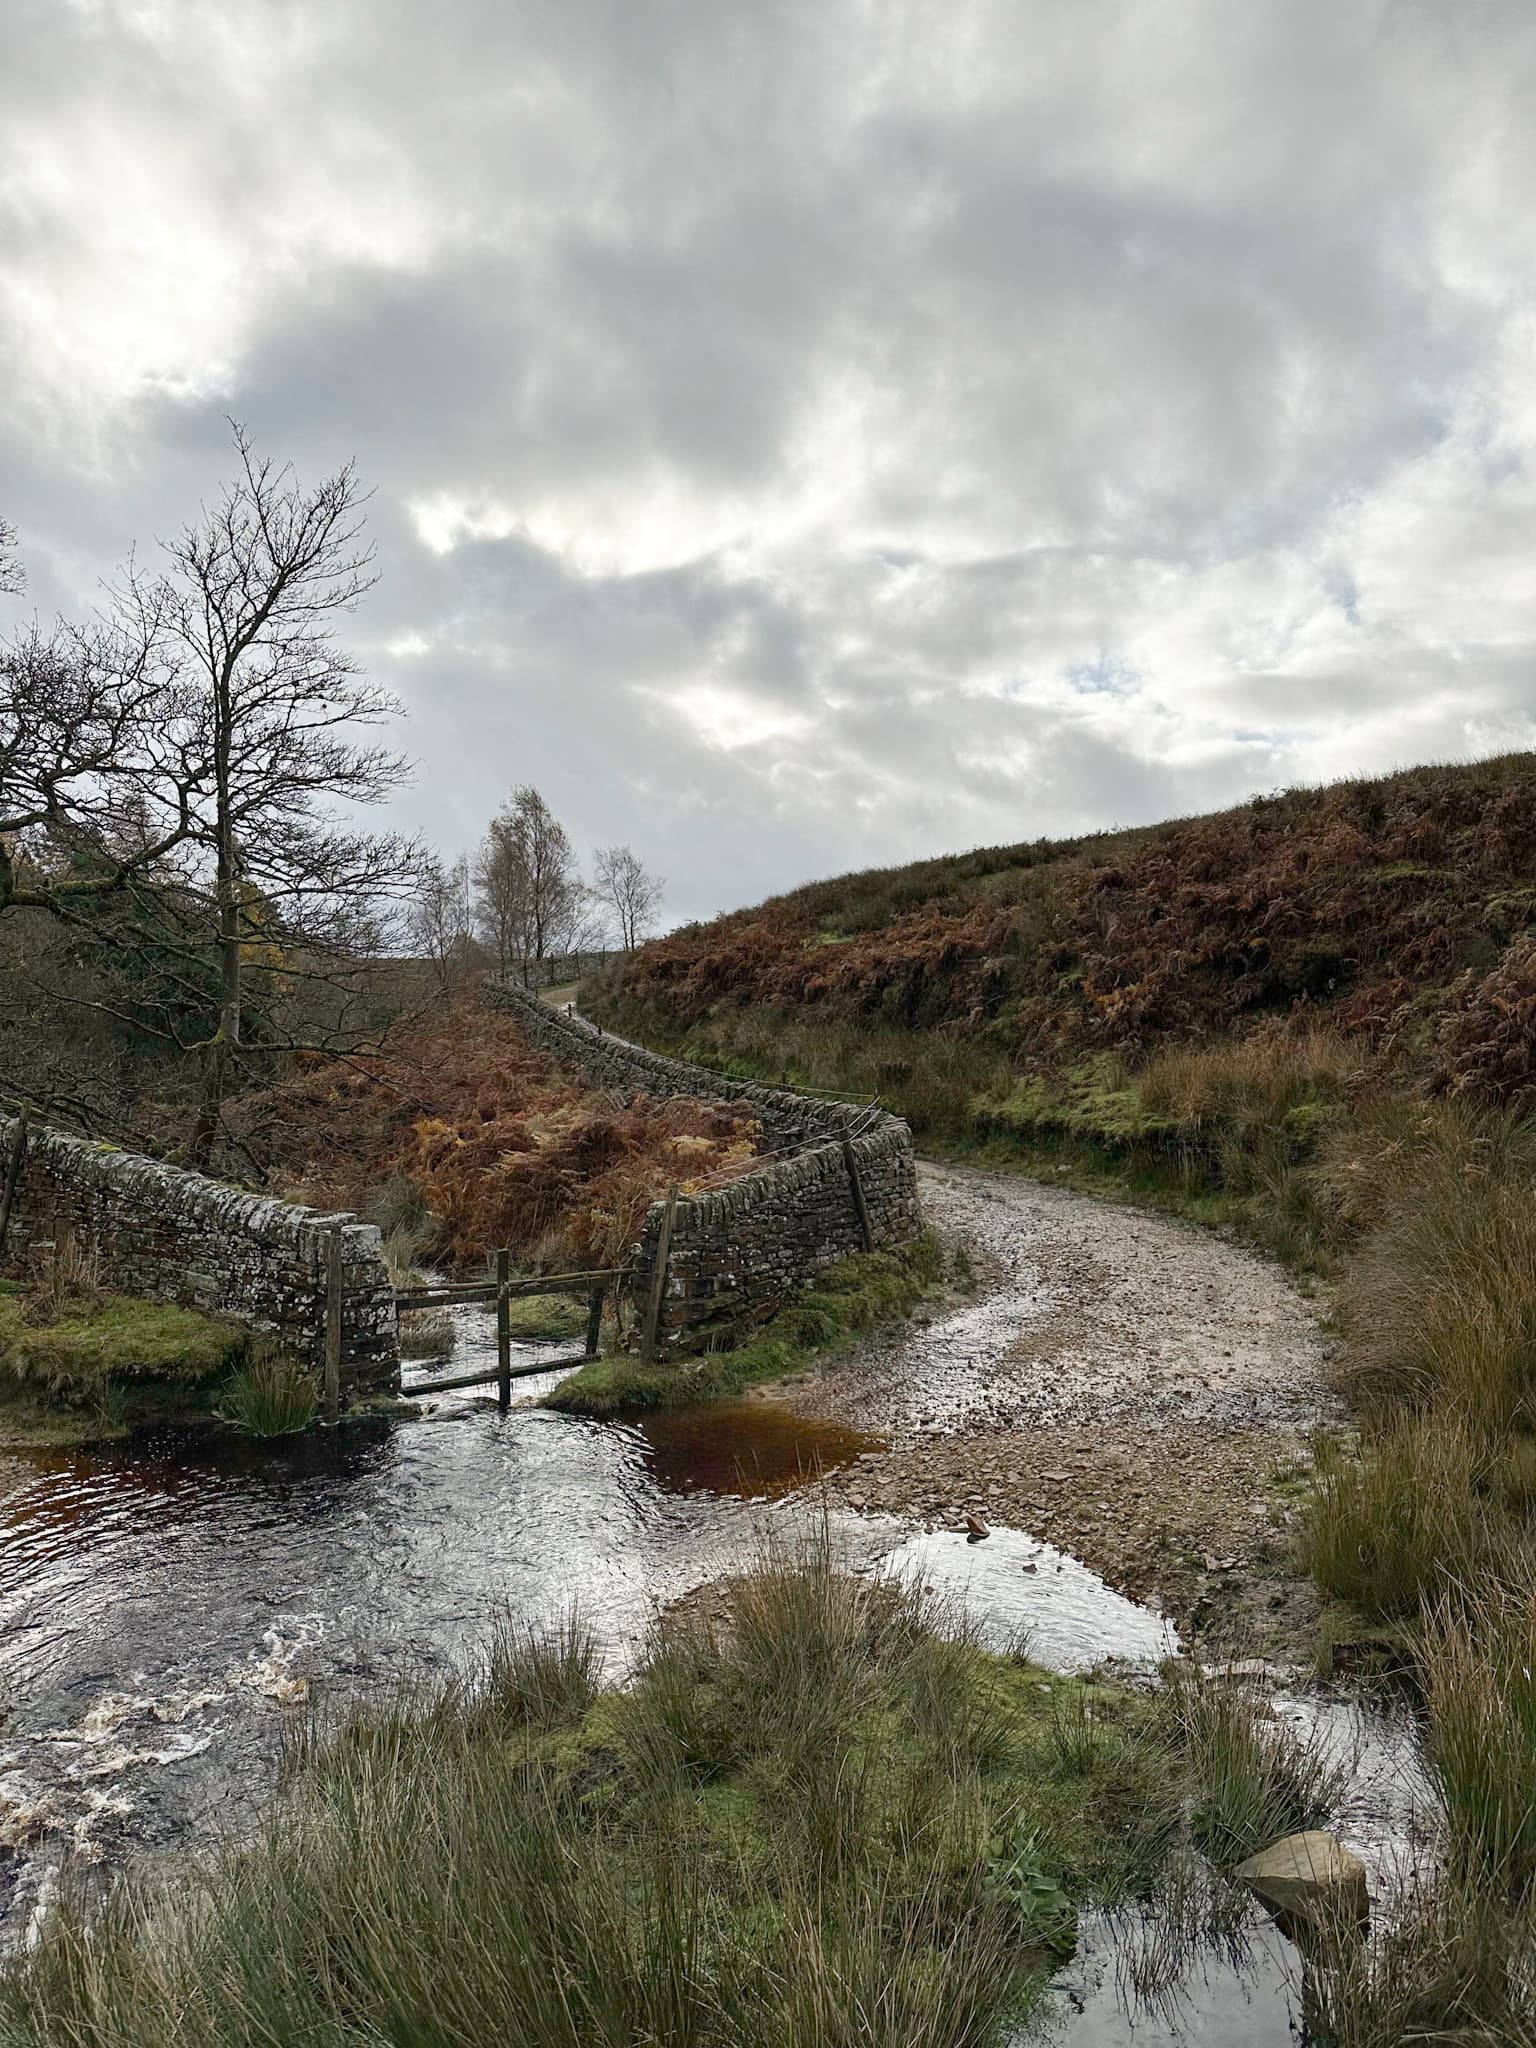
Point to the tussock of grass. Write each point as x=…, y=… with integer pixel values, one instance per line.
x=1414, y=1508
x=1439, y=1299
x=546, y=1318
x=427, y=1333
x=1255, y=1779
x=768, y=1841
x=1479, y=1656
x=275, y=1395
x=540, y=1678
x=845, y=1302
x=105, y=1338
x=1449, y=1964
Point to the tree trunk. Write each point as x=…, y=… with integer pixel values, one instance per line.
x=227, y=1037
x=216, y=1063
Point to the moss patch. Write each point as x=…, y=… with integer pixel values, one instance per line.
x=104, y=1363
x=112, y=1337
x=845, y=1303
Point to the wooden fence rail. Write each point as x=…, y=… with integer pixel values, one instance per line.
x=489, y=1290
x=503, y=1291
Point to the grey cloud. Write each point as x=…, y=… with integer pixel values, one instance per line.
x=780, y=415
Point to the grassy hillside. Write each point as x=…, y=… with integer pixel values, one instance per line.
x=1313, y=1018
x=1397, y=910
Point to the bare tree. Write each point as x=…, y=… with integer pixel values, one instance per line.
x=442, y=923
x=173, y=783
x=11, y=577
x=98, y=750
x=245, y=611
x=531, y=899
x=628, y=888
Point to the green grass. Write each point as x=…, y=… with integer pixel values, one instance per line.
x=829, y=1822
x=1196, y=1146
x=1449, y=1965
x=546, y=1318
x=1255, y=1780
x=1416, y=1506
x=1479, y=1656
x=845, y=1302
x=274, y=1395
x=934, y=1079
x=108, y=1339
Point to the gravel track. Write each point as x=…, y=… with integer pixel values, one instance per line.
x=1127, y=1386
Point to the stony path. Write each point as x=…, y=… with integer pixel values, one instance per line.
x=1129, y=1387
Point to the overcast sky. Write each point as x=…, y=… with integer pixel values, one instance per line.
x=813, y=435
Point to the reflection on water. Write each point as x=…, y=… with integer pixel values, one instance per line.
x=1245, y=1994
x=753, y=1448
x=1021, y=1593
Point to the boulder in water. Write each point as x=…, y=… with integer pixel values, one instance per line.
x=1310, y=1878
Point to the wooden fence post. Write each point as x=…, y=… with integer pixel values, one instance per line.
x=13, y=1170
x=658, y=1280
x=503, y=1329
x=333, y=1278
x=594, y=1321
x=850, y=1160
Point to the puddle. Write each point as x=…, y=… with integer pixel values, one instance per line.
x=1245, y=1995
x=752, y=1449
x=1020, y=1591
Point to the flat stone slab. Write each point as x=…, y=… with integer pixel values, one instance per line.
x=1309, y=1877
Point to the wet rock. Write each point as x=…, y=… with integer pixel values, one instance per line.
x=1310, y=1878
x=976, y=1530
x=1248, y=1671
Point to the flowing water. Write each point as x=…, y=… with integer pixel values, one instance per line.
x=166, y=1604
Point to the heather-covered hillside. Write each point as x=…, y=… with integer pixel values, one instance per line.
x=1397, y=908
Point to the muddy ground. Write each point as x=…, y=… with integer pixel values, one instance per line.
x=1127, y=1387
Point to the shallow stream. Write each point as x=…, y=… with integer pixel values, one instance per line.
x=166, y=1604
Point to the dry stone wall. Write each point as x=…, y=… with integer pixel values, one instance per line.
x=741, y=1251
x=153, y=1230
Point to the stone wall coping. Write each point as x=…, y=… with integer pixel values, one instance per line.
x=788, y=1109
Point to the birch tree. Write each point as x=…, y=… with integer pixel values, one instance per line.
x=627, y=888
x=530, y=896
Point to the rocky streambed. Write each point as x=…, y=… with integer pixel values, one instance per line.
x=1125, y=1386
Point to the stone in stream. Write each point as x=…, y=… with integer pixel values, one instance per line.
x=975, y=1529
x=1310, y=1878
